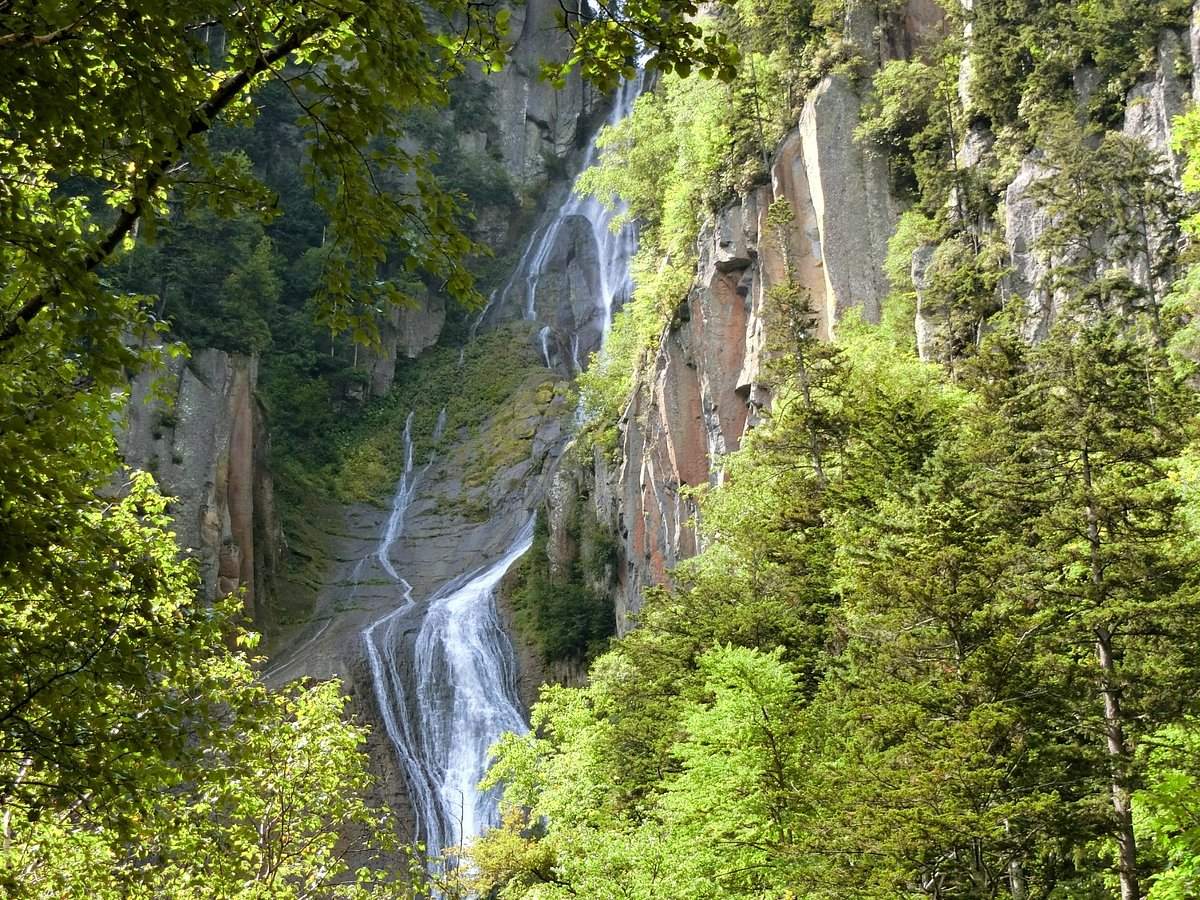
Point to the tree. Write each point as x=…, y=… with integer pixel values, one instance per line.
x=1115, y=214
x=131, y=113
x=139, y=754
x=1166, y=811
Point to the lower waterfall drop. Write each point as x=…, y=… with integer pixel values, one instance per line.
x=460, y=666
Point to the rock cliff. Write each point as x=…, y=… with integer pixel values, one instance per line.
x=707, y=382
x=198, y=428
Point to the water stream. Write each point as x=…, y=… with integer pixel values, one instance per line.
x=614, y=249
x=445, y=679
x=443, y=669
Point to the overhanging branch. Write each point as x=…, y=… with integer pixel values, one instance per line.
x=199, y=121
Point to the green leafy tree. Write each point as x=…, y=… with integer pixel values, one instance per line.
x=1166, y=814
x=139, y=753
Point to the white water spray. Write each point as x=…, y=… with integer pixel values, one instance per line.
x=445, y=681
x=615, y=249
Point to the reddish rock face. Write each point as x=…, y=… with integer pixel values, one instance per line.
x=207, y=449
x=240, y=477
x=707, y=382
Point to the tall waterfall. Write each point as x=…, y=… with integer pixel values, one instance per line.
x=443, y=670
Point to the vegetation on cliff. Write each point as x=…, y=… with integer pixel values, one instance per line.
x=941, y=640
x=566, y=611
x=941, y=643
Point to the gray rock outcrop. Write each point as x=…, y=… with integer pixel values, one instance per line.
x=694, y=400
x=198, y=429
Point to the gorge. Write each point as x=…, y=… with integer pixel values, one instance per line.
x=745, y=449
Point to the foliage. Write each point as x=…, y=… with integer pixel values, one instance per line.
x=1024, y=54
x=140, y=755
x=567, y=614
x=1116, y=214
x=360, y=458
x=913, y=116
x=886, y=673
x=1167, y=813
x=609, y=35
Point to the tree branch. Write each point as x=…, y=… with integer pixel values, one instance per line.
x=200, y=121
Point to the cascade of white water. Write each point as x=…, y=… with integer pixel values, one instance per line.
x=439, y=429
x=443, y=671
x=444, y=680
x=544, y=338
x=406, y=489
x=400, y=502
x=615, y=249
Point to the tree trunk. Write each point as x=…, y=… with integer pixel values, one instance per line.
x=1110, y=690
x=1115, y=736
x=1018, y=887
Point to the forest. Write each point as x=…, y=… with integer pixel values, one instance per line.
x=924, y=622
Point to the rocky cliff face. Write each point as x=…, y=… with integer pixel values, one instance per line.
x=468, y=501
x=536, y=132
x=539, y=127
x=198, y=428
x=825, y=218
x=708, y=382
x=1150, y=106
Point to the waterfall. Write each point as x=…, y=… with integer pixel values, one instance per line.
x=614, y=249
x=444, y=677
x=443, y=670
x=400, y=502
x=406, y=488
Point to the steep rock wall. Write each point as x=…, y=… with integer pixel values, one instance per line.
x=539, y=126
x=536, y=132
x=198, y=428
x=1150, y=106
x=708, y=379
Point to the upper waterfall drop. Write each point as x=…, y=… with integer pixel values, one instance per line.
x=614, y=249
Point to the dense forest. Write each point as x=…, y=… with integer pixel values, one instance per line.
x=940, y=636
